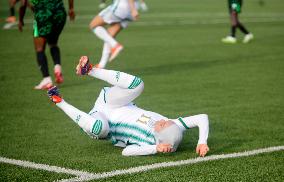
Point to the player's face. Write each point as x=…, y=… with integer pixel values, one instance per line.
x=160, y=125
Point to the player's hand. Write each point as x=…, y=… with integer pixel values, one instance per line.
x=164, y=148
x=134, y=14
x=202, y=149
x=20, y=26
x=72, y=14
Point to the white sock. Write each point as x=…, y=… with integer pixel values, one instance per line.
x=102, y=33
x=116, y=78
x=84, y=120
x=105, y=55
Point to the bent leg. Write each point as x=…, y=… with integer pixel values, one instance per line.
x=125, y=88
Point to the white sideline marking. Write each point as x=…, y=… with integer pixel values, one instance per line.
x=175, y=163
x=45, y=167
x=87, y=176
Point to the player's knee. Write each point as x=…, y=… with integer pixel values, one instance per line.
x=97, y=126
x=139, y=87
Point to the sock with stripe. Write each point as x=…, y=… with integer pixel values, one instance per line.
x=105, y=55
x=116, y=78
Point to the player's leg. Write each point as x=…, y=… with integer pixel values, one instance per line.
x=232, y=37
x=113, y=30
x=96, y=25
x=12, y=17
x=126, y=87
x=248, y=36
x=96, y=126
x=52, y=40
x=40, y=43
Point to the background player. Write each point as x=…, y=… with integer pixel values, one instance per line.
x=49, y=21
x=117, y=15
x=234, y=10
x=114, y=116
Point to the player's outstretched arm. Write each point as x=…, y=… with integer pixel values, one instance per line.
x=136, y=150
x=201, y=121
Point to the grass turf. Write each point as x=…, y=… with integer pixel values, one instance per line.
x=186, y=70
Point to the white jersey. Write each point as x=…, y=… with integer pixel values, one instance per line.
x=128, y=124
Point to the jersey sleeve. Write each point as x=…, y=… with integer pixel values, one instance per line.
x=135, y=150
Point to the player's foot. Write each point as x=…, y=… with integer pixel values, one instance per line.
x=53, y=94
x=11, y=19
x=229, y=40
x=115, y=51
x=45, y=83
x=102, y=5
x=248, y=38
x=84, y=66
x=58, y=74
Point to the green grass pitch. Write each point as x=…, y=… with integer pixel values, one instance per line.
x=176, y=49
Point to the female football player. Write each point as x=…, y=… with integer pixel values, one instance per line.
x=117, y=16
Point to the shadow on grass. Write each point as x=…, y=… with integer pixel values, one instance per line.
x=175, y=68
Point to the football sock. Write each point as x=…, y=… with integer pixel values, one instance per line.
x=12, y=11
x=55, y=54
x=200, y=120
x=233, y=31
x=42, y=63
x=105, y=55
x=116, y=78
x=102, y=33
x=84, y=120
x=242, y=28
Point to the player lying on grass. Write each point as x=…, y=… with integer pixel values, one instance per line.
x=114, y=116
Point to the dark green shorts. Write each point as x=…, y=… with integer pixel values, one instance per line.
x=49, y=23
x=235, y=5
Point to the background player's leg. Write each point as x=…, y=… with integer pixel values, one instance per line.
x=234, y=23
x=54, y=48
x=126, y=87
x=113, y=31
x=105, y=55
x=39, y=43
x=96, y=26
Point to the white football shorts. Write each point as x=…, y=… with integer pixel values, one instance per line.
x=118, y=12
